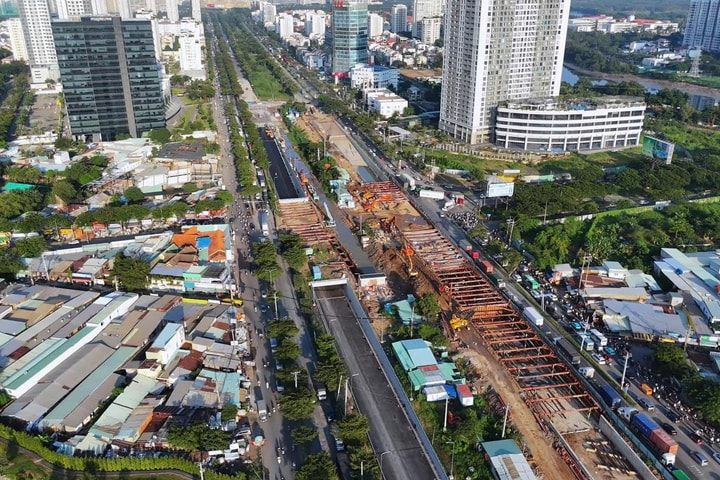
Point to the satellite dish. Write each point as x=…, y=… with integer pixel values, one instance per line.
x=694, y=52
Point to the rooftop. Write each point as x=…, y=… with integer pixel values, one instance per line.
x=577, y=104
x=508, y=460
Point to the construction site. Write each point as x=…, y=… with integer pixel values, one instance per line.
x=547, y=401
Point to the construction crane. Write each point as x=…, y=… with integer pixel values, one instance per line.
x=408, y=251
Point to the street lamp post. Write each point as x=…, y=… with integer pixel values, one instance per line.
x=382, y=474
x=452, y=460
x=347, y=380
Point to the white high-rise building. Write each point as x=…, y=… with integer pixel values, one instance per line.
x=171, y=7
x=428, y=29
x=496, y=52
x=398, y=19
x=190, y=54
x=702, y=28
x=196, y=15
x=99, y=7
x=35, y=20
x=284, y=25
x=124, y=10
x=315, y=24
x=375, y=25
x=269, y=13
x=424, y=9
x=17, y=39
x=72, y=8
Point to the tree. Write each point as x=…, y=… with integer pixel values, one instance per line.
x=63, y=190
x=298, y=404
x=670, y=358
x=304, y=435
x=159, y=135
x=229, y=412
x=317, y=466
x=429, y=307
x=197, y=436
x=134, y=195
x=266, y=261
x=30, y=247
x=329, y=371
x=704, y=396
x=131, y=272
x=354, y=428
x=364, y=459
x=292, y=250
x=287, y=351
x=282, y=329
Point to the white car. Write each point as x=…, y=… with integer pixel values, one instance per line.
x=599, y=358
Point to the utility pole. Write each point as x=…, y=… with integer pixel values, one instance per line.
x=295, y=375
x=627, y=356
x=507, y=411
x=446, y=414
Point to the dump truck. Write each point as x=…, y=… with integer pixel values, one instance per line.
x=658, y=439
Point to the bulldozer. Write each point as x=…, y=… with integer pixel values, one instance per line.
x=456, y=323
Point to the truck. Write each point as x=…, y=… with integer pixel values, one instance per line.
x=611, y=397
x=486, y=267
x=657, y=439
x=587, y=372
x=566, y=350
x=495, y=279
x=264, y=225
x=646, y=389
x=533, y=316
x=465, y=245
x=407, y=180
x=436, y=194
x=262, y=410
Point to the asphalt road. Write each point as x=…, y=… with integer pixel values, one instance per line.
x=279, y=174
x=392, y=435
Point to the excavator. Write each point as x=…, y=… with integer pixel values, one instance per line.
x=456, y=323
x=409, y=252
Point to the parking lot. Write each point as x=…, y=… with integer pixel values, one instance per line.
x=44, y=115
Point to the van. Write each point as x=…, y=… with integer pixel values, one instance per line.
x=646, y=389
x=700, y=458
x=646, y=405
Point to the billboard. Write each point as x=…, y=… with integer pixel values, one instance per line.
x=500, y=189
x=657, y=149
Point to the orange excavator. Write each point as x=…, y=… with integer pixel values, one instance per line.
x=408, y=252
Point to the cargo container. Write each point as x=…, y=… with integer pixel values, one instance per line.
x=436, y=194
x=486, y=266
x=533, y=316
x=407, y=180
x=610, y=396
x=465, y=245
x=658, y=440
x=475, y=255
x=566, y=350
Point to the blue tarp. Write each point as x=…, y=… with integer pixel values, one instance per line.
x=203, y=242
x=450, y=390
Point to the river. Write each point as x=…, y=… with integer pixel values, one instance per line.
x=700, y=97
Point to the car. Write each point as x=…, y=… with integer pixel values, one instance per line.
x=243, y=429
x=576, y=326
x=263, y=293
x=599, y=358
x=668, y=428
x=695, y=438
x=700, y=458
x=672, y=416
x=716, y=456
x=263, y=308
x=339, y=445
x=610, y=351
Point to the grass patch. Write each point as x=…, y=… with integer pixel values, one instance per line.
x=265, y=86
x=14, y=465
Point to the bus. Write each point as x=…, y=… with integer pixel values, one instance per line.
x=598, y=338
x=531, y=282
x=585, y=341
x=680, y=475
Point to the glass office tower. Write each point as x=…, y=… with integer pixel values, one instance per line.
x=110, y=77
x=349, y=35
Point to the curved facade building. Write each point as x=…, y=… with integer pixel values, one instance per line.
x=579, y=125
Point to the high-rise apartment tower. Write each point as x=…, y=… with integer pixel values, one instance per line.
x=497, y=51
x=702, y=28
x=398, y=19
x=110, y=78
x=35, y=20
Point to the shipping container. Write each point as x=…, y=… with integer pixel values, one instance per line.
x=407, y=180
x=567, y=351
x=663, y=441
x=533, y=316
x=644, y=424
x=486, y=266
x=611, y=397
x=436, y=194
